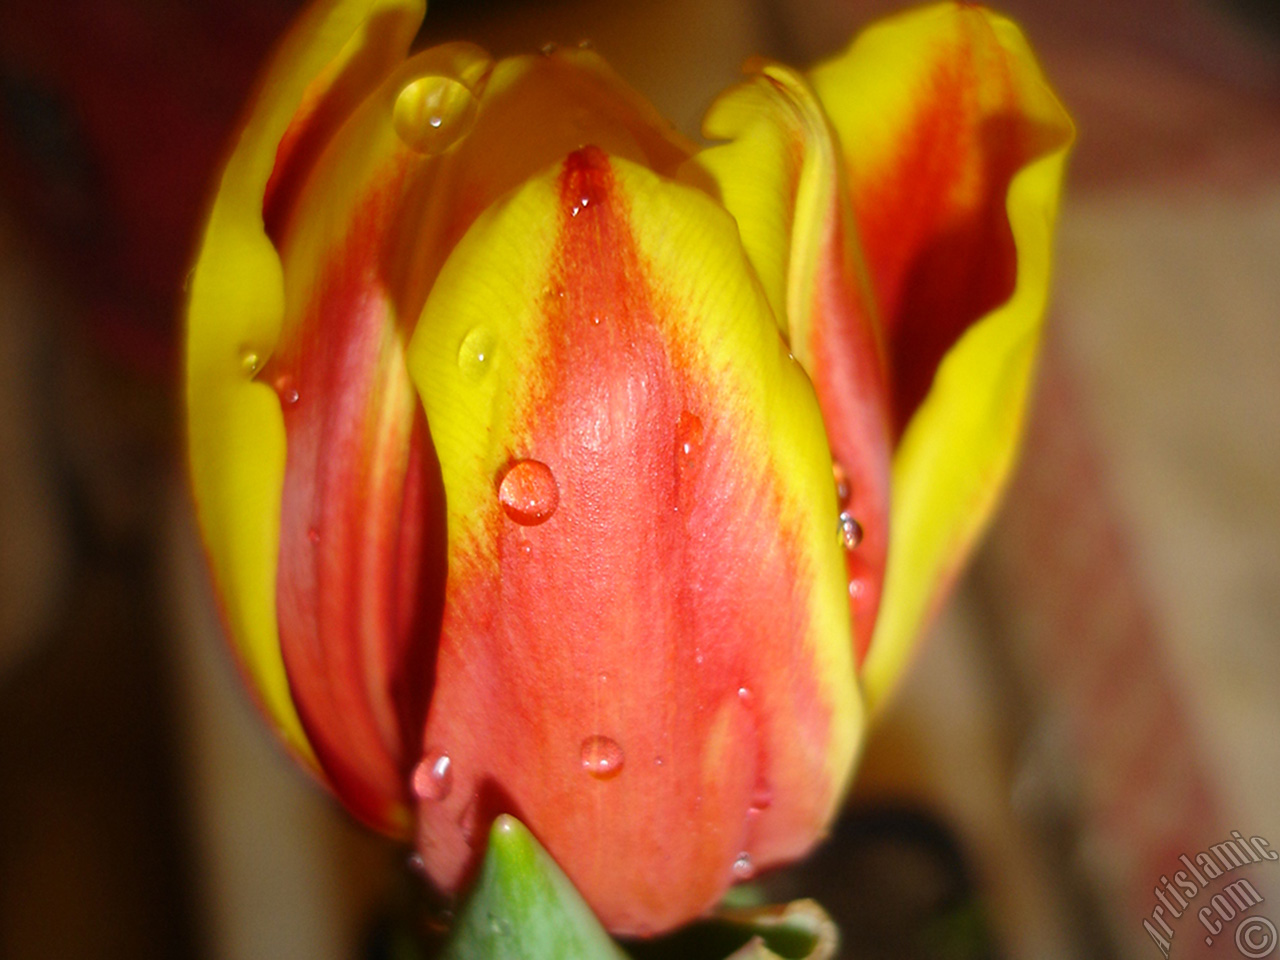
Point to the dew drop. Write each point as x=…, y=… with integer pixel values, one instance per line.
x=433, y=113
x=762, y=796
x=433, y=776
x=843, y=490
x=313, y=535
x=499, y=926
x=250, y=362
x=601, y=757
x=547, y=49
x=416, y=864
x=855, y=589
x=287, y=390
x=529, y=493
x=850, y=531
x=689, y=435
x=689, y=438
x=475, y=353
x=744, y=694
x=585, y=45
x=582, y=204
x=743, y=868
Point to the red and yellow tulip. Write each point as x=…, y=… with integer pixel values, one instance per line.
x=551, y=465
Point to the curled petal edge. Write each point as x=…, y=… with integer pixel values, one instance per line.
x=235, y=428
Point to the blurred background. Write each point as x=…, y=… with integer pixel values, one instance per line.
x=1099, y=697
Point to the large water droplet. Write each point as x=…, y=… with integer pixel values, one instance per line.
x=433, y=113
x=601, y=757
x=433, y=776
x=850, y=531
x=743, y=868
x=475, y=354
x=843, y=490
x=529, y=493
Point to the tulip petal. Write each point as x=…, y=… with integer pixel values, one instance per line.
x=644, y=652
x=781, y=176
x=955, y=147
x=361, y=567
x=236, y=434
x=384, y=201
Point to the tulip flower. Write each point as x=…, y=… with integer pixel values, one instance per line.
x=550, y=464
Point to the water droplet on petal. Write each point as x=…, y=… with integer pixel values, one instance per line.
x=433, y=776
x=689, y=438
x=601, y=757
x=843, y=490
x=855, y=589
x=850, y=531
x=584, y=45
x=689, y=434
x=286, y=389
x=313, y=535
x=547, y=49
x=744, y=694
x=762, y=796
x=250, y=362
x=475, y=353
x=743, y=868
x=433, y=113
x=417, y=864
x=529, y=493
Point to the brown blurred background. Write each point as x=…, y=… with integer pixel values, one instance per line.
x=1100, y=697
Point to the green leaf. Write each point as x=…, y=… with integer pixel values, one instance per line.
x=794, y=931
x=524, y=908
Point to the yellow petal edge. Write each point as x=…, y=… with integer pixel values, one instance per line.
x=957, y=451
x=236, y=437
